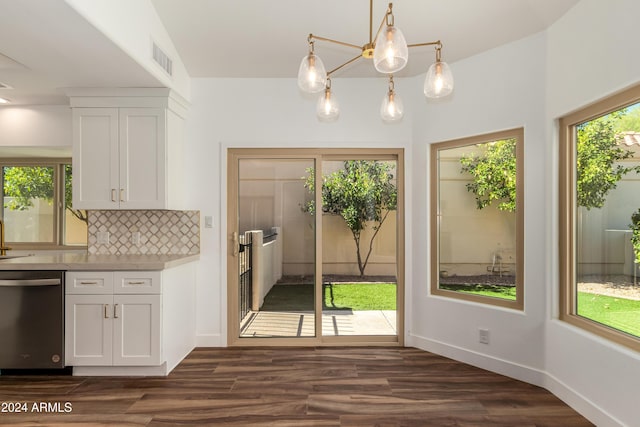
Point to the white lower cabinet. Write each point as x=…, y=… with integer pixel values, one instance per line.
x=113, y=329
x=132, y=323
x=119, y=330
x=88, y=330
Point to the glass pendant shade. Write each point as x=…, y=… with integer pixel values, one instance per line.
x=391, y=52
x=311, y=74
x=327, y=109
x=391, y=109
x=439, y=80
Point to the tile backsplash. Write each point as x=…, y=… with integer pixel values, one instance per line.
x=156, y=232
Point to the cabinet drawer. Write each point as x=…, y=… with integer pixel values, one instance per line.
x=89, y=282
x=137, y=282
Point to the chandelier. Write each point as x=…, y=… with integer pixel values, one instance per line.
x=390, y=53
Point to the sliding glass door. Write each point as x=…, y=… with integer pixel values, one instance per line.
x=276, y=241
x=359, y=252
x=315, y=246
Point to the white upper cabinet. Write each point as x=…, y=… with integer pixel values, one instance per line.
x=127, y=153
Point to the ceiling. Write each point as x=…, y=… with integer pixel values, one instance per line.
x=257, y=38
x=39, y=56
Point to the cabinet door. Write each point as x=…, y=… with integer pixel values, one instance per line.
x=95, y=158
x=88, y=330
x=136, y=335
x=142, y=158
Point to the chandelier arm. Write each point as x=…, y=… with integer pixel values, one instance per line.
x=370, y=21
x=355, y=58
x=324, y=39
x=426, y=44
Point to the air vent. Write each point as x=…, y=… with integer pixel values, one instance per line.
x=162, y=59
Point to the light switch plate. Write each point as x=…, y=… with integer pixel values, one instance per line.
x=208, y=221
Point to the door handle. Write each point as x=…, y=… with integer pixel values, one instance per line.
x=113, y=195
x=106, y=311
x=236, y=244
x=115, y=311
x=122, y=195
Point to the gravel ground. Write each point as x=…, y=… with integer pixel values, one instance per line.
x=483, y=279
x=614, y=286
x=335, y=278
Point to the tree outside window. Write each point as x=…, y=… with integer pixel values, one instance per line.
x=30, y=205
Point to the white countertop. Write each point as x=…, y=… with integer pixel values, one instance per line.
x=83, y=261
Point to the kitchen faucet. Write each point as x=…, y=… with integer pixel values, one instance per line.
x=3, y=248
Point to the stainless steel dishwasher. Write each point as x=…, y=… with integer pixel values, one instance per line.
x=31, y=319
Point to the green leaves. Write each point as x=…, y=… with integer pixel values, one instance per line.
x=25, y=183
x=597, y=153
x=598, y=167
x=635, y=236
x=362, y=192
x=494, y=175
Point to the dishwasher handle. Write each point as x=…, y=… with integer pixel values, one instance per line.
x=29, y=282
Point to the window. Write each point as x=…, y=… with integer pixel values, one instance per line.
x=37, y=207
x=600, y=218
x=477, y=219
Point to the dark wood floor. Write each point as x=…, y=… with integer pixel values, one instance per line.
x=294, y=387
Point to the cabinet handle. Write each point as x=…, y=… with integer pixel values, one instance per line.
x=106, y=311
x=113, y=195
x=115, y=311
x=136, y=283
x=88, y=283
x=122, y=195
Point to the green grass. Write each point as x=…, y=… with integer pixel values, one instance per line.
x=341, y=296
x=494, y=291
x=618, y=313
x=360, y=296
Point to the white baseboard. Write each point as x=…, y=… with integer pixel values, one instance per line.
x=504, y=367
x=118, y=371
x=581, y=404
x=530, y=375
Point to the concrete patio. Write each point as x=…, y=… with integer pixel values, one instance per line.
x=334, y=323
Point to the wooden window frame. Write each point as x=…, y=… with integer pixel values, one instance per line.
x=518, y=303
x=568, y=209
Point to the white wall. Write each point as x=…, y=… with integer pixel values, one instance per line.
x=265, y=113
x=531, y=83
x=592, y=53
x=499, y=89
x=134, y=31
x=33, y=126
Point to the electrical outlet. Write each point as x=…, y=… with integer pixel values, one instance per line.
x=483, y=336
x=103, y=237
